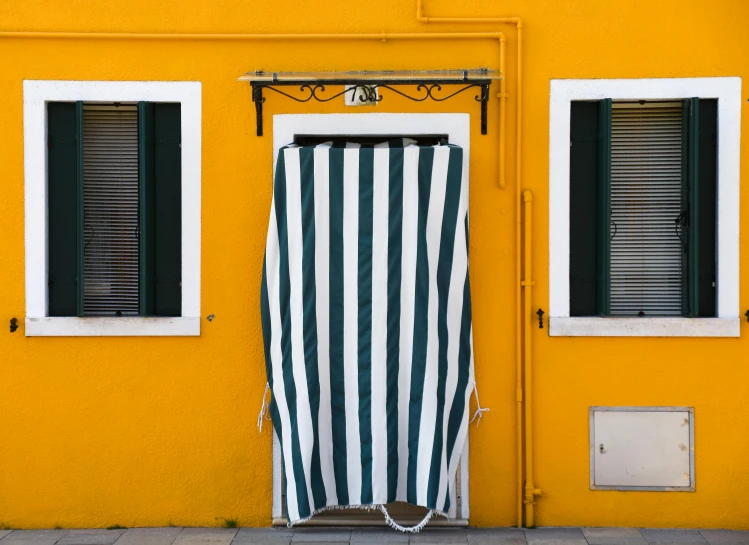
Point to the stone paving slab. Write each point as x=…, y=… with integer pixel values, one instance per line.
x=724, y=536
x=321, y=535
x=659, y=535
x=365, y=536
x=90, y=537
x=149, y=536
x=632, y=533
x=263, y=536
x=4, y=533
x=205, y=536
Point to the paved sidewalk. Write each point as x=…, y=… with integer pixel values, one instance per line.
x=362, y=536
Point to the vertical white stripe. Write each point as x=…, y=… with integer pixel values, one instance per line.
x=429, y=393
x=380, y=225
x=322, y=296
x=351, y=319
x=296, y=311
x=272, y=275
x=408, y=289
x=454, y=315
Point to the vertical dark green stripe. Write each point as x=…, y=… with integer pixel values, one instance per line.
x=337, y=385
x=464, y=364
x=603, y=256
x=395, y=243
x=81, y=217
x=444, y=274
x=63, y=143
x=421, y=306
x=683, y=224
x=309, y=299
x=707, y=167
x=146, y=216
x=288, y=374
x=366, y=187
x=693, y=211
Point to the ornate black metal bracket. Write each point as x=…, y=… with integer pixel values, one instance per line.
x=367, y=90
x=540, y=314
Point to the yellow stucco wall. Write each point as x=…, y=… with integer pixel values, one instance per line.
x=152, y=431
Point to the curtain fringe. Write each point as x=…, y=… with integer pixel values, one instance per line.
x=378, y=507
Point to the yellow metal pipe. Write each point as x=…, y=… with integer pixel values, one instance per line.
x=518, y=22
x=530, y=490
x=252, y=37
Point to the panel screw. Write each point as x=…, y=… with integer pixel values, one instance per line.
x=210, y=317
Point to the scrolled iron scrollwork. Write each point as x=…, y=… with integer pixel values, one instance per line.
x=368, y=92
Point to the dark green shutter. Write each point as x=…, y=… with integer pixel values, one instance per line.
x=583, y=209
x=604, y=207
x=690, y=190
x=146, y=180
x=590, y=208
x=699, y=173
x=161, y=217
x=707, y=168
x=65, y=199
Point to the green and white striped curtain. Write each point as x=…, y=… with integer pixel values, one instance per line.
x=366, y=315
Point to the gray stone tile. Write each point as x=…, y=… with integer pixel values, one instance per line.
x=91, y=537
x=440, y=536
x=725, y=536
x=263, y=536
x=496, y=536
x=321, y=535
x=4, y=533
x=34, y=535
x=617, y=541
x=377, y=535
x=10, y=540
x=554, y=534
x=205, y=536
x=631, y=533
x=319, y=542
x=149, y=536
x=659, y=535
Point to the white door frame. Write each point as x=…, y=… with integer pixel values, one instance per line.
x=457, y=128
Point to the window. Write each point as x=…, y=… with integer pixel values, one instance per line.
x=643, y=207
x=112, y=208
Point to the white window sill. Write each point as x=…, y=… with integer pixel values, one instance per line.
x=111, y=327
x=644, y=327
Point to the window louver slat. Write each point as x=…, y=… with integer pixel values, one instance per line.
x=110, y=202
x=646, y=174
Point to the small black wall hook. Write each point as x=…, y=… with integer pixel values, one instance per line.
x=13, y=325
x=747, y=315
x=540, y=313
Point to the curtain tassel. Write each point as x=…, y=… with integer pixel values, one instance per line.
x=479, y=410
x=264, y=412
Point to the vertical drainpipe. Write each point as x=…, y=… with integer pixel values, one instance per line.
x=527, y=284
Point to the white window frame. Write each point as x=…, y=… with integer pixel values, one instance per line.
x=457, y=127
x=36, y=94
x=728, y=92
